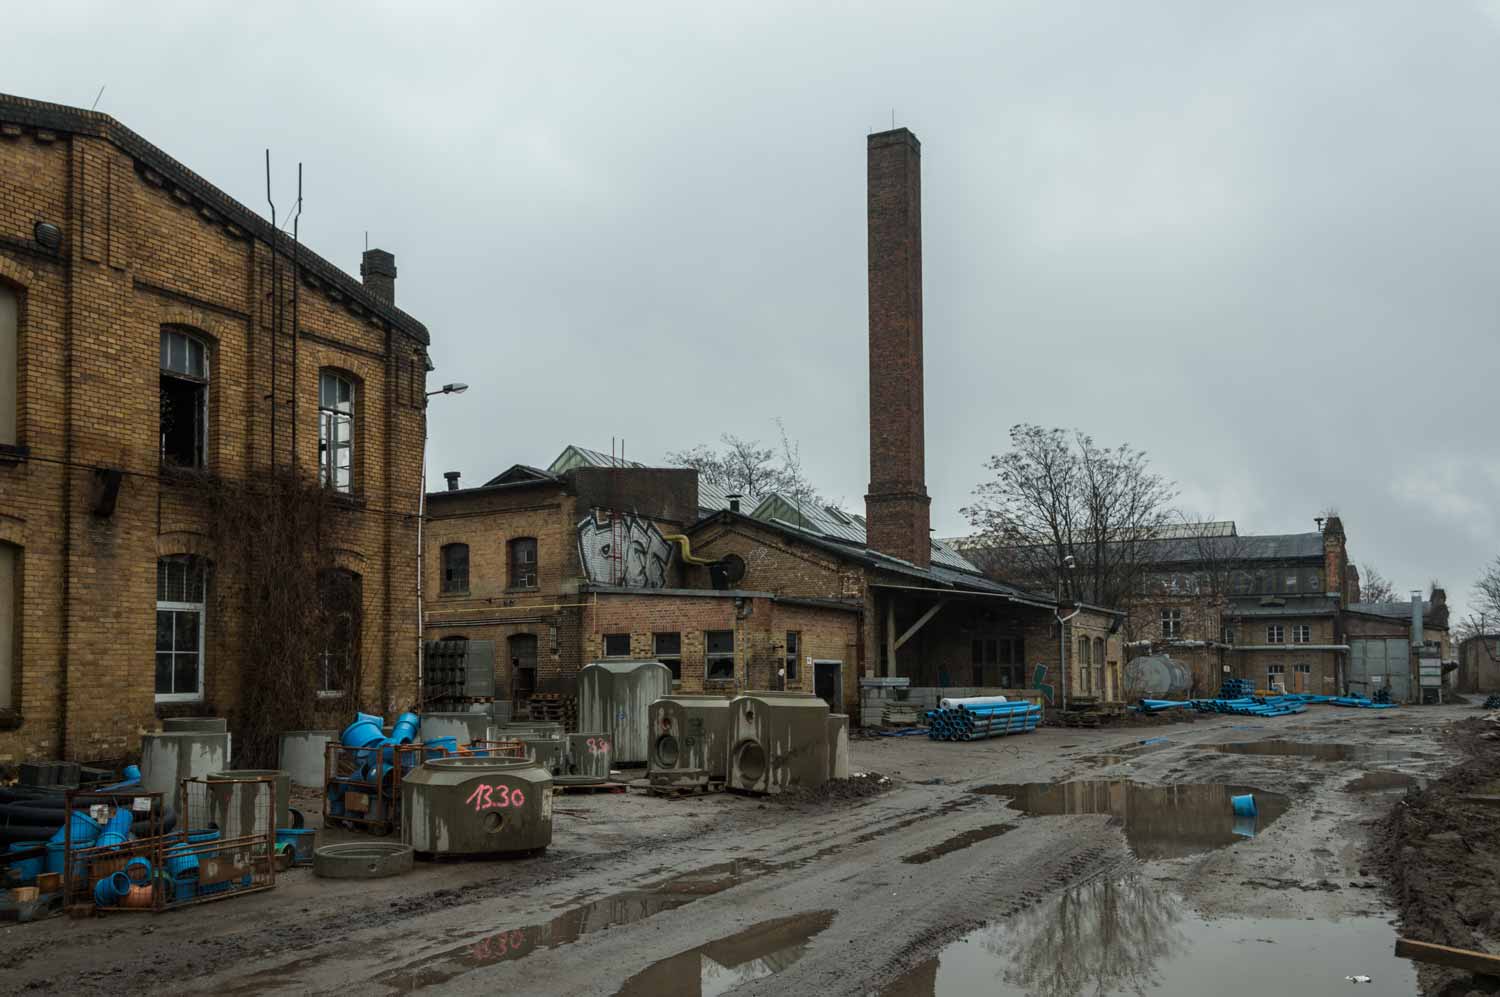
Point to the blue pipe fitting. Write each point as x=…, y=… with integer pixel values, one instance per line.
x=138, y=870
x=110, y=890
x=1244, y=806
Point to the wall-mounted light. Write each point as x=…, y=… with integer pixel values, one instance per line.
x=48, y=235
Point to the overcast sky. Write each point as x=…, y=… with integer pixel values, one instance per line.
x=1258, y=241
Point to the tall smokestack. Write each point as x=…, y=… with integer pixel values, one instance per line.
x=897, y=506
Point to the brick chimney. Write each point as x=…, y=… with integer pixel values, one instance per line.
x=1336, y=559
x=378, y=271
x=896, y=508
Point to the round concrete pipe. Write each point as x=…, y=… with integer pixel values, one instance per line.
x=303, y=753
x=167, y=759
x=280, y=779
x=362, y=860
x=477, y=806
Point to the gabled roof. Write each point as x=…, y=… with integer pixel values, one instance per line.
x=520, y=472
x=576, y=456
x=214, y=202
x=1391, y=610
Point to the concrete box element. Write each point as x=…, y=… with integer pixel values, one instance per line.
x=167, y=759
x=780, y=741
x=521, y=730
x=615, y=697
x=281, y=781
x=464, y=727
x=477, y=806
x=195, y=725
x=242, y=805
x=838, y=745
x=586, y=758
x=303, y=753
x=690, y=741
x=546, y=753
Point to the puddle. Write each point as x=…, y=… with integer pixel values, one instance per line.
x=1381, y=781
x=1123, y=936
x=956, y=842
x=1161, y=822
x=571, y=925
x=1319, y=752
x=717, y=967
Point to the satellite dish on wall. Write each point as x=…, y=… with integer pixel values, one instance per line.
x=727, y=571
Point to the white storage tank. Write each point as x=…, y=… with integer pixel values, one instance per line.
x=615, y=697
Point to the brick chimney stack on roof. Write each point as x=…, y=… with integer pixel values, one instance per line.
x=897, y=507
x=378, y=271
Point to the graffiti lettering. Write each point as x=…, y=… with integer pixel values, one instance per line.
x=497, y=796
x=627, y=551
x=598, y=745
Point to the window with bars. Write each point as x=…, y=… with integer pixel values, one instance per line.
x=1171, y=623
x=1275, y=633
x=455, y=569
x=718, y=659
x=667, y=648
x=184, y=399
x=1301, y=634
x=335, y=431
x=341, y=594
x=180, y=611
x=523, y=573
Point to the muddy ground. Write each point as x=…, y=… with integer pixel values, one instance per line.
x=846, y=893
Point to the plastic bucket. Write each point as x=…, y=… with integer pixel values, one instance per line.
x=27, y=870
x=1244, y=806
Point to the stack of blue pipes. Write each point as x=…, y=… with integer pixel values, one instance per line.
x=980, y=717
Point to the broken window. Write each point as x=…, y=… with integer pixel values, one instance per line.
x=719, y=655
x=1275, y=676
x=10, y=576
x=667, y=648
x=523, y=563
x=617, y=645
x=335, y=431
x=455, y=568
x=1302, y=634
x=793, y=648
x=184, y=399
x=1275, y=634
x=1171, y=624
x=340, y=595
x=180, y=610
x=10, y=335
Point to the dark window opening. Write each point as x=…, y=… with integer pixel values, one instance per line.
x=667, y=648
x=617, y=645
x=522, y=666
x=184, y=399
x=523, y=574
x=793, y=647
x=341, y=597
x=455, y=568
x=719, y=655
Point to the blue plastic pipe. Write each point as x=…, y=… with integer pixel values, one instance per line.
x=1244, y=806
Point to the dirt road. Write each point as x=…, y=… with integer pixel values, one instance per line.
x=971, y=870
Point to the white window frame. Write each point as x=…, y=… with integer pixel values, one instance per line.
x=330, y=420
x=1273, y=672
x=200, y=609
x=1171, y=624
x=1275, y=633
x=1302, y=669
x=1301, y=633
x=187, y=374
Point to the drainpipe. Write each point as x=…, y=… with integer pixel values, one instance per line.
x=1062, y=648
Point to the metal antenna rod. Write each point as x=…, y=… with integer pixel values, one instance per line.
x=95, y=104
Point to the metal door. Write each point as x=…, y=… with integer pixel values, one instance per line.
x=1376, y=662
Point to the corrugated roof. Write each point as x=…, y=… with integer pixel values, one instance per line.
x=1394, y=610
x=576, y=456
x=712, y=498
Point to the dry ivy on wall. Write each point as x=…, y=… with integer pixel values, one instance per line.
x=278, y=585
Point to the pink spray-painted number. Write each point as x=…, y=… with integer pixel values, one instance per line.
x=598, y=745
x=492, y=797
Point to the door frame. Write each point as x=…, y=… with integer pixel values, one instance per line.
x=837, y=706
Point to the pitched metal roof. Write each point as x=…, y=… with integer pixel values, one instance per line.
x=1247, y=607
x=1392, y=610
x=1264, y=547
x=576, y=456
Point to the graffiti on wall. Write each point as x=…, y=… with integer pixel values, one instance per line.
x=627, y=551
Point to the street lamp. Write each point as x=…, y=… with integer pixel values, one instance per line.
x=455, y=388
x=1069, y=563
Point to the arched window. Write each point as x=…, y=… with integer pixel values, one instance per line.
x=181, y=604
x=10, y=339
x=10, y=596
x=335, y=431
x=455, y=568
x=523, y=572
x=341, y=595
x=184, y=399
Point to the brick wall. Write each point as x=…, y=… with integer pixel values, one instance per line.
x=148, y=244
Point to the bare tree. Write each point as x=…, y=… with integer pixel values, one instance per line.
x=1373, y=586
x=1486, y=597
x=1066, y=514
x=747, y=467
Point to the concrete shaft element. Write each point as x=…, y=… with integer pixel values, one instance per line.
x=303, y=754
x=587, y=757
x=362, y=860
x=242, y=806
x=281, y=782
x=780, y=741
x=522, y=730
x=167, y=759
x=616, y=697
x=690, y=741
x=195, y=725
x=464, y=727
x=546, y=753
x=838, y=745
x=477, y=806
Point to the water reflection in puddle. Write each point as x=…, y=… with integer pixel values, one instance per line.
x=719, y=966
x=1381, y=781
x=1123, y=936
x=1303, y=749
x=1161, y=822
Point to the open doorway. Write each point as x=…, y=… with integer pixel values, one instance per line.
x=828, y=684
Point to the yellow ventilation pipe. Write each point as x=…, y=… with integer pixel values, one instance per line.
x=686, y=547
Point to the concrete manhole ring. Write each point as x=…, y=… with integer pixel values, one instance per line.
x=362, y=860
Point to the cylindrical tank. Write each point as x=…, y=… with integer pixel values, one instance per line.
x=477, y=806
x=167, y=759
x=1155, y=676
x=616, y=697
x=302, y=754
x=780, y=740
x=242, y=804
x=689, y=741
x=586, y=758
x=465, y=727
x=281, y=780
x=838, y=745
